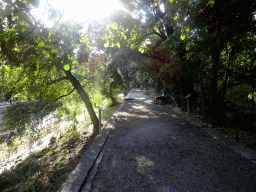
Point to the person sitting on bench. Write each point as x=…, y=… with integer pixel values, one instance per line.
x=160, y=97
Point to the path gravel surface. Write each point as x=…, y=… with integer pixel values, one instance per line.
x=153, y=148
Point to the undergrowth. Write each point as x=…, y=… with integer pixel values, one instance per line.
x=37, y=172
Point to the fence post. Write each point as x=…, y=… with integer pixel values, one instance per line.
x=188, y=105
x=187, y=97
x=100, y=109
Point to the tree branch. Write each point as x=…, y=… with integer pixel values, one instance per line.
x=65, y=95
x=159, y=35
x=163, y=36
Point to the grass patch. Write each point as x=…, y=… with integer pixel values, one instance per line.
x=38, y=172
x=21, y=176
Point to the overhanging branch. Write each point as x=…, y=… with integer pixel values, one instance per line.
x=154, y=33
x=65, y=95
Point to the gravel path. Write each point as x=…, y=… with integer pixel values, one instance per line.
x=152, y=148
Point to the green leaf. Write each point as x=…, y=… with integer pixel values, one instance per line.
x=35, y=73
x=174, y=18
x=211, y=3
x=106, y=44
x=118, y=45
x=36, y=60
x=31, y=75
x=37, y=68
x=43, y=51
x=140, y=49
x=54, y=51
x=66, y=67
x=156, y=4
x=7, y=68
x=54, y=68
x=41, y=44
x=187, y=30
x=149, y=30
x=21, y=22
x=125, y=30
x=16, y=49
x=132, y=46
x=134, y=36
x=183, y=37
x=123, y=35
x=47, y=54
x=171, y=1
x=114, y=26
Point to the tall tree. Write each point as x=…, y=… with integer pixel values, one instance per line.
x=221, y=22
x=156, y=32
x=27, y=43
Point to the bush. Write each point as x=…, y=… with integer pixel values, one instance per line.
x=108, y=102
x=237, y=98
x=96, y=97
x=69, y=111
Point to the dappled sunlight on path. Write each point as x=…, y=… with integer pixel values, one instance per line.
x=152, y=148
x=147, y=134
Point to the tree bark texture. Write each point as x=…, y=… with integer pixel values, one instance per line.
x=85, y=99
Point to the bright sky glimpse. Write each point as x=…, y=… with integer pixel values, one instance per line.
x=79, y=10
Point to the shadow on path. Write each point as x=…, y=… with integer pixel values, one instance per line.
x=152, y=148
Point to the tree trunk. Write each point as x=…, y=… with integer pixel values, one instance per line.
x=253, y=70
x=224, y=91
x=227, y=72
x=214, y=82
x=253, y=89
x=187, y=82
x=85, y=99
x=187, y=85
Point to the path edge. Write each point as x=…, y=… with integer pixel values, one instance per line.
x=239, y=148
x=77, y=177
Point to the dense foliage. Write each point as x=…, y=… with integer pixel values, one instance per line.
x=204, y=48
x=38, y=63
